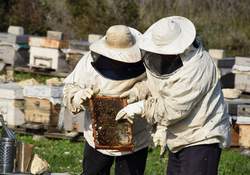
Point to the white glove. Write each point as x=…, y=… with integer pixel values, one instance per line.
x=138, y=92
x=131, y=95
x=160, y=138
x=129, y=111
x=81, y=96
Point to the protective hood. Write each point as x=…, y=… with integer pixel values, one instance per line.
x=162, y=65
x=116, y=70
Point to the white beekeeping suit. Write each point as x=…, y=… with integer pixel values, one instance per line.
x=87, y=80
x=187, y=100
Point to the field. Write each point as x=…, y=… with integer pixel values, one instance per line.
x=66, y=156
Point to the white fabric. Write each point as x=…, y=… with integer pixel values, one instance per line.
x=160, y=138
x=170, y=35
x=137, y=93
x=130, y=111
x=189, y=103
x=81, y=96
x=129, y=55
x=84, y=76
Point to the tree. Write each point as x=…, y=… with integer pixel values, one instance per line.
x=29, y=14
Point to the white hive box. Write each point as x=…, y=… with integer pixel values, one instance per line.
x=16, y=30
x=14, y=39
x=11, y=91
x=14, y=54
x=242, y=82
x=7, y=53
x=43, y=91
x=242, y=61
x=216, y=53
x=45, y=57
x=94, y=37
x=79, y=45
x=12, y=104
x=55, y=35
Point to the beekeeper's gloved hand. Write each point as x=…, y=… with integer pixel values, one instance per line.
x=130, y=111
x=138, y=92
x=82, y=96
x=130, y=95
x=160, y=138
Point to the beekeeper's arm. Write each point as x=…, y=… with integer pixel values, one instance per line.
x=175, y=102
x=138, y=92
x=171, y=108
x=79, y=86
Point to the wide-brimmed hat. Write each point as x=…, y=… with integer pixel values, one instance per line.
x=169, y=36
x=120, y=43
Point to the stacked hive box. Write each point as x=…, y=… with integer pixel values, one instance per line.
x=12, y=104
x=244, y=130
x=72, y=122
x=45, y=52
x=94, y=37
x=14, y=47
x=235, y=73
x=224, y=64
x=237, y=109
x=241, y=70
x=42, y=104
x=242, y=73
x=76, y=50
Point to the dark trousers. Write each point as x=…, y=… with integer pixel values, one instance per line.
x=96, y=163
x=195, y=160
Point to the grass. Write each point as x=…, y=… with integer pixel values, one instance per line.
x=19, y=76
x=66, y=156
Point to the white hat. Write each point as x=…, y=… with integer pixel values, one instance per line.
x=168, y=36
x=119, y=43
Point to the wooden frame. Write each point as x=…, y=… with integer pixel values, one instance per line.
x=109, y=133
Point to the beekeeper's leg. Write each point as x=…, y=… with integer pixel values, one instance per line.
x=200, y=159
x=131, y=164
x=174, y=164
x=96, y=163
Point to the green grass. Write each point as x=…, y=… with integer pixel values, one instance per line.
x=19, y=76
x=66, y=156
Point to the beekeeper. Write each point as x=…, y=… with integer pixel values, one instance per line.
x=186, y=97
x=112, y=67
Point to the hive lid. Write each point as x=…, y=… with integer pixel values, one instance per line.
x=11, y=91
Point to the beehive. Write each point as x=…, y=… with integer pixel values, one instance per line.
x=244, y=129
x=109, y=133
x=41, y=111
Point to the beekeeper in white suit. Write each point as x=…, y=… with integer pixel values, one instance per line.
x=112, y=67
x=186, y=97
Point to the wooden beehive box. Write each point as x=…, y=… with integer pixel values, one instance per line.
x=244, y=130
x=47, y=43
x=41, y=111
x=109, y=133
x=235, y=135
x=244, y=139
